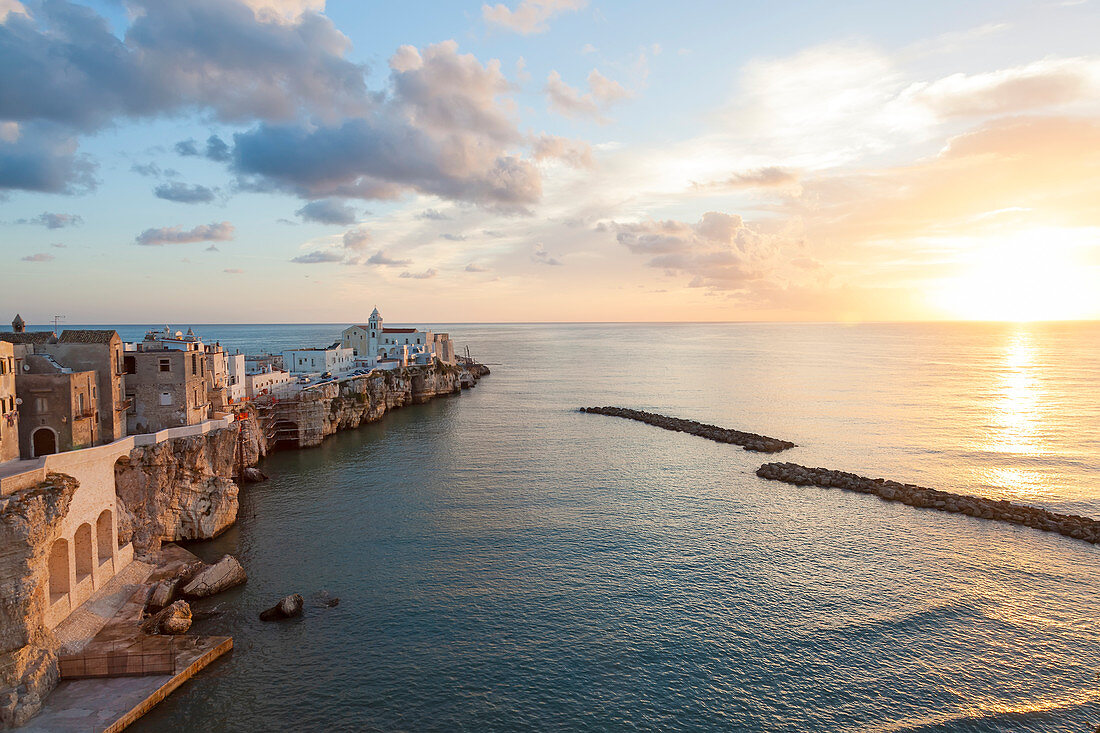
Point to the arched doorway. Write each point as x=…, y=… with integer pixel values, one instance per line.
x=43, y=442
x=104, y=540
x=59, y=570
x=82, y=545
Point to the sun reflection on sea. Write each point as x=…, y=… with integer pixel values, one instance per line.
x=1016, y=419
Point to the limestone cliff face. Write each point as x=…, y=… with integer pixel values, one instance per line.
x=29, y=519
x=324, y=410
x=179, y=489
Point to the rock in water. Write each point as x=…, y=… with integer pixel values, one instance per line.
x=253, y=475
x=175, y=619
x=288, y=607
x=223, y=574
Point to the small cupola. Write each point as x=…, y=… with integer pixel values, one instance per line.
x=18, y=324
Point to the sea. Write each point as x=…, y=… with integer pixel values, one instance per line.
x=506, y=563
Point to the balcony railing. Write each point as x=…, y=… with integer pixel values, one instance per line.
x=84, y=414
x=126, y=404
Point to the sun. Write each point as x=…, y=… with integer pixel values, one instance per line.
x=1037, y=275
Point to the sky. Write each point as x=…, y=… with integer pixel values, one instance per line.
x=239, y=161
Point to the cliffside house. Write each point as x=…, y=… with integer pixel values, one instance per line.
x=9, y=414
x=77, y=351
x=59, y=407
x=167, y=381
x=336, y=360
x=376, y=345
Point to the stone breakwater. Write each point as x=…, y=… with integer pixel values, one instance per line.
x=749, y=441
x=1070, y=525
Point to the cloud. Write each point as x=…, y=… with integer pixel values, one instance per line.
x=43, y=158
x=149, y=170
x=441, y=133
x=328, y=211
x=219, y=232
x=233, y=271
x=8, y=7
x=574, y=153
x=541, y=257
x=473, y=267
x=426, y=275
x=212, y=248
x=184, y=193
x=318, y=257
x=432, y=215
x=54, y=221
x=453, y=237
x=530, y=16
x=66, y=65
x=718, y=252
x=1045, y=83
x=569, y=101
x=380, y=258
x=769, y=177
x=216, y=149
x=40, y=257
x=356, y=238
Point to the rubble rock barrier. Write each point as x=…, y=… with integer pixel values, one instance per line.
x=748, y=441
x=1070, y=525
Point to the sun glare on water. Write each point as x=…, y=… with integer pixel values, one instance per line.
x=1038, y=275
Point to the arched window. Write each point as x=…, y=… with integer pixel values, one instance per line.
x=82, y=545
x=103, y=534
x=59, y=569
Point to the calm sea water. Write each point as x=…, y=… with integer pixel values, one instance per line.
x=506, y=563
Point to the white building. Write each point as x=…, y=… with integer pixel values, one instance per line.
x=237, y=387
x=381, y=347
x=274, y=383
x=336, y=360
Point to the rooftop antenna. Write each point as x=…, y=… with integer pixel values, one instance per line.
x=57, y=320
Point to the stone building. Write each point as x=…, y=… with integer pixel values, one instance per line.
x=99, y=351
x=9, y=415
x=59, y=408
x=166, y=378
x=377, y=344
x=217, y=376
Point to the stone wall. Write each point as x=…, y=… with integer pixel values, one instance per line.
x=29, y=521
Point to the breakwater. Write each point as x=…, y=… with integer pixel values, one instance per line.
x=748, y=441
x=1070, y=525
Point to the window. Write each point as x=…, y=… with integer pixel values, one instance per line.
x=202, y=368
x=194, y=365
x=166, y=365
x=165, y=398
x=40, y=404
x=80, y=403
x=129, y=365
x=93, y=393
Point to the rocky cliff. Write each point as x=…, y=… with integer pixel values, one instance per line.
x=180, y=489
x=324, y=410
x=29, y=519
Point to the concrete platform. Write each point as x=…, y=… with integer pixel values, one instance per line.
x=107, y=624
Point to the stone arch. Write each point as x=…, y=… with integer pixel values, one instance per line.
x=59, y=569
x=43, y=442
x=104, y=531
x=82, y=547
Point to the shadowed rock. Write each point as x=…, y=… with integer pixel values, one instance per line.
x=289, y=607
x=223, y=574
x=748, y=441
x=175, y=619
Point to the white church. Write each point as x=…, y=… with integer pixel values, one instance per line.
x=375, y=345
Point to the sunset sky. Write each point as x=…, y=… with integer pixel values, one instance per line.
x=217, y=161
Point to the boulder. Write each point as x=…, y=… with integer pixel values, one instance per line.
x=289, y=607
x=162, y=594
x=223, y=574
x=175, y=619
x=253, y=475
